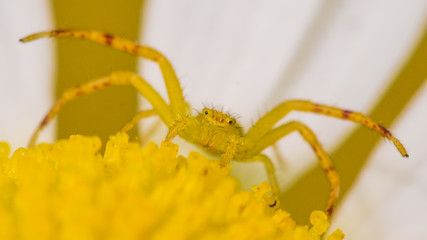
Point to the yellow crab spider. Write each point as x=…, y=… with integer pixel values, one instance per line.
x=214, y=130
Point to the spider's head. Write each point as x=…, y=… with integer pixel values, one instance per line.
x=218, y=118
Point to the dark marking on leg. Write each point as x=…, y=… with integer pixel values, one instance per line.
x=329, y=211
x=106, y=84
x=317, y=108
x=346, y=114
x=44, y=121
x=314, y=148
x=135, y=49
x=108, y=39
x=329, y=169
x=58, y=31
x=125, y=48
x=384, y=130
x=79, y=93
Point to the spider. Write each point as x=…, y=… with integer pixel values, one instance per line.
x=214, y=130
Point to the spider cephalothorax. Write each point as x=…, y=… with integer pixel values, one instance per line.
x=212, y=129
x=215, y=127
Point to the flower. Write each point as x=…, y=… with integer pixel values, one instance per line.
x=69, y=190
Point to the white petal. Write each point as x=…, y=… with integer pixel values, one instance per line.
x=389, y=199
x=25, y=70
x=248, y=56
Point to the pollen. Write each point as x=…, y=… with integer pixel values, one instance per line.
x=70, y=190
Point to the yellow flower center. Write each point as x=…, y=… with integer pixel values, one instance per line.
x=68, y=190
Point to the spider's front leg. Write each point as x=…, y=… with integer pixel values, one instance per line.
x=177, y=104
x=267, y=122
x=115, y=78
x=230, y=151
x=173, y=87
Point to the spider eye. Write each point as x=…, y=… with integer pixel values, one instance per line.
x=231, y=121
x=206, y=112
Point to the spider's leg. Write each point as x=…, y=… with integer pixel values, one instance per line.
x=277, y=133
x=267, y=122
x=140, y=115
x=271, y=172
x=279, y=156
x=115, y=78
x=147, y=136
x=136, y=118
x=173, y=87
x=272, y=200
x=230, y=151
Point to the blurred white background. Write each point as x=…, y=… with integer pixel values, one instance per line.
x=26, y=71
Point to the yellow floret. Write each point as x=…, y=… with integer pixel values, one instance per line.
x=319, y=221
x=68, y=190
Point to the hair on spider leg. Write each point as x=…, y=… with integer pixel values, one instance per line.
x=252, y=123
